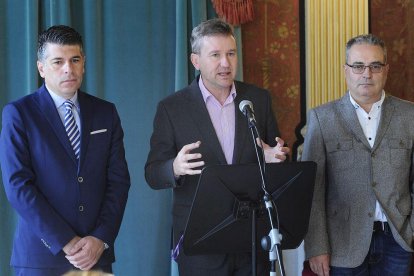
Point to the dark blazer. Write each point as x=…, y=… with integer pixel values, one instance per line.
x=181, y=119
x=351, y=176
x=55, y=198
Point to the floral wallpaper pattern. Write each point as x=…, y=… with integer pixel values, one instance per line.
x=271, y=59
x=393, y=21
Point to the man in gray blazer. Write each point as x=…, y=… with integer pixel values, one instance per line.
x=361, y=220
x=201, y=125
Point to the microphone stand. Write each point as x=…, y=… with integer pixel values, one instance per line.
x=271, y=242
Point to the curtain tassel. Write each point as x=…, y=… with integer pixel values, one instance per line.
x=234, y=12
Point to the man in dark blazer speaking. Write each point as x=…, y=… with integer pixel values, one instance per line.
x=200, y=126
x=362, y=214
x=63, y=164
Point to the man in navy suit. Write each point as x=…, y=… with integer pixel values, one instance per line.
x=201, y=125
x=69, y=195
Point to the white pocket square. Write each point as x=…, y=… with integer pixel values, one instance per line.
x=98, y=131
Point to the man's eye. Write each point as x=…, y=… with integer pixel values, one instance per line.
x=375, y=66
x=359, y=67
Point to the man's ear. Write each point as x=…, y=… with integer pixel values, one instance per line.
x=40, y=69
x=194, y=60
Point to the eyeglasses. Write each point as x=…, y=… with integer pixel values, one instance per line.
x=360, y=68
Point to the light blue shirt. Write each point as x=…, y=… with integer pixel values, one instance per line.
x=59, y=103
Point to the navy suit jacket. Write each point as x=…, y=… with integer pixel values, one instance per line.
x=55, y=197
x=183, y=118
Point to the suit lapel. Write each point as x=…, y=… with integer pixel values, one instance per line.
x=387, y=110
x=201, y=117
x=49, y=111
x=86, y=116
x=350, y=118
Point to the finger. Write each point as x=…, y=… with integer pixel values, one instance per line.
x=193, y=172
x=192, y=165
x=77, y=247
x=280, y=157
x=82, y=263
x=192, y=156
x=190, y=147
x=75, y=259
x=285, y=149
x=313, y=267
x=325, y=269
x=280, y=141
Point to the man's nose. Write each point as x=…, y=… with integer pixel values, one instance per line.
x=225, y=61
x=367, y=72
x=68, y=66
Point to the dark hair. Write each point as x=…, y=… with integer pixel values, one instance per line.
x=210, y=27
x=59, y=34
x=366, y=39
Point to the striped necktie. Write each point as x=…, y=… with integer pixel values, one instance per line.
x=72, y=128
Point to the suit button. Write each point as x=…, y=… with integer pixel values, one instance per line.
x=372, y=155
x=80, y=179
x=374, y=184
x=370, y=215
x=80, y=208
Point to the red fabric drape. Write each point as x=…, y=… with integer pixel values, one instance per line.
x=234, y=12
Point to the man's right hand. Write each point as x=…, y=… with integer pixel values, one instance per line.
x=181, y=164
x=320, y=264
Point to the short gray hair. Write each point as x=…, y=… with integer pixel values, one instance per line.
x=366, y=39
x=210, y=27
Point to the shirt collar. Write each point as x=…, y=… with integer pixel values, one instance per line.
x=58, y=100
x=375, y=106
x=206, y=94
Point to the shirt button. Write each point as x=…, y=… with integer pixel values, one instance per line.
x=80, y=179
x=80, y=208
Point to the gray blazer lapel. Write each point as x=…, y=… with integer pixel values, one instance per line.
x=348, y=114
x=387, y=110
x=199, y=113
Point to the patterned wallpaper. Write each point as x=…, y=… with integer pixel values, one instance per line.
x=271, y=59
x=393, y=21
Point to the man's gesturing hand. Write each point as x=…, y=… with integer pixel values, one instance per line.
x=181, y=164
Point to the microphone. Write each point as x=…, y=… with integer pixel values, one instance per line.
x=246, y=107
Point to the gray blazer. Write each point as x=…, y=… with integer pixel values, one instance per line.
x=351, y=176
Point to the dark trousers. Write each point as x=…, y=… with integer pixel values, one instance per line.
x=385, y=257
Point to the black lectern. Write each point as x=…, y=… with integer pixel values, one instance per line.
x=220, y=218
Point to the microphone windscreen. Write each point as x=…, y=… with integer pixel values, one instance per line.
x=243, y=104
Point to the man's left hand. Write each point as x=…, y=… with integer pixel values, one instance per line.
x=274, y=154
x=86, y=252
